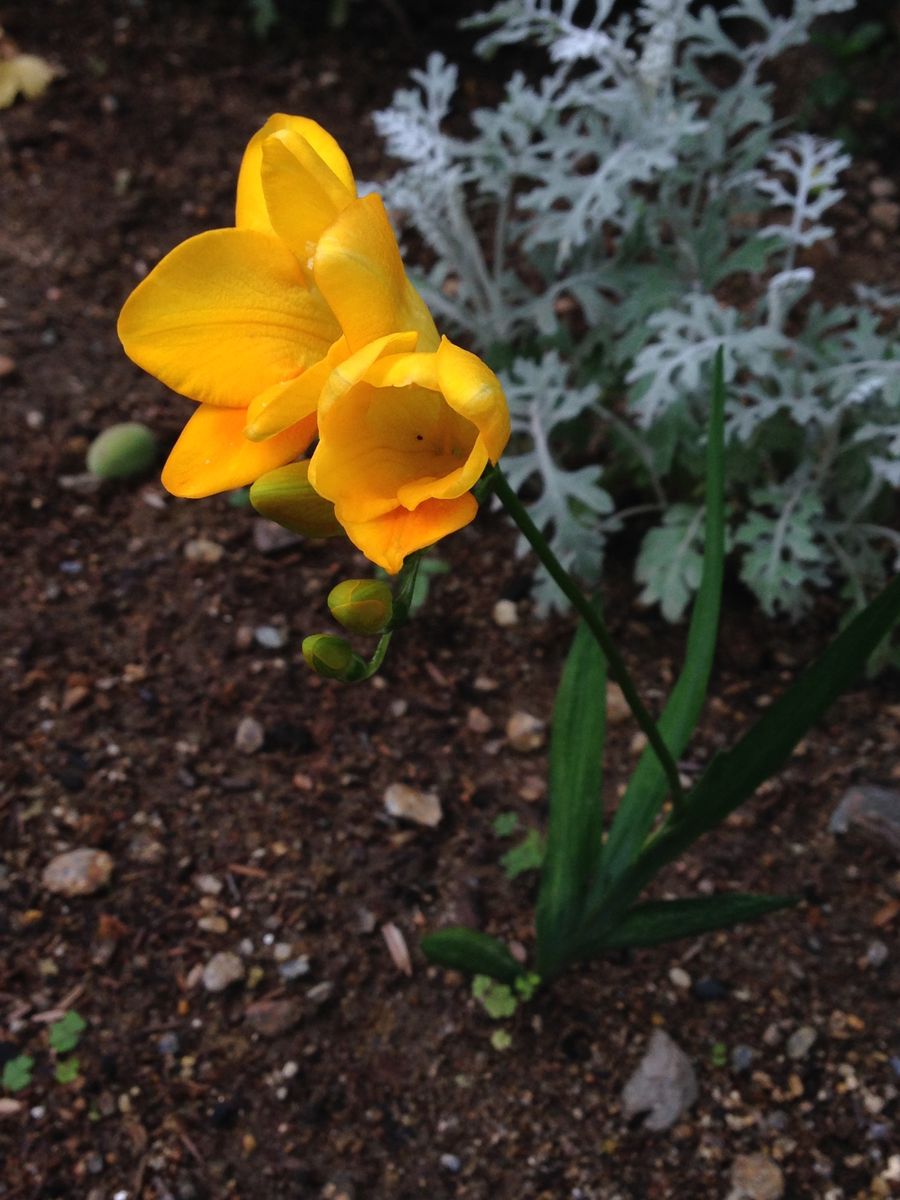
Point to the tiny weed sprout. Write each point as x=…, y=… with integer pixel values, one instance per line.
x=62, y=1038
x=624, y=192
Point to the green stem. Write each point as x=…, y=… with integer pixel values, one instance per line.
x=595, y=623
x=378, y=657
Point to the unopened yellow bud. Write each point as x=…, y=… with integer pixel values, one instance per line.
x=361, y=605
x=333, y=657
x=286, y=496
x=122, y=451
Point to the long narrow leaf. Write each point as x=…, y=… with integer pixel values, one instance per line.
x=574, y=836
x=647, y=787
x=473, y=952
x=666, y=920
x=732, y=777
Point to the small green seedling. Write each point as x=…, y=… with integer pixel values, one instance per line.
x=528, y=855
x=506, y=824
x=17, y=1073
x=67, y=1070
x=65, y=1034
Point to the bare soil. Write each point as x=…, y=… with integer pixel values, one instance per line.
x=127, y=668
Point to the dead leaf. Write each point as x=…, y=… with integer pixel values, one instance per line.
x=26, y=74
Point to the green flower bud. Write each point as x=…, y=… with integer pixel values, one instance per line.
x=361, y=605
x=333, y=658
x=286, y=496
x=122, y=451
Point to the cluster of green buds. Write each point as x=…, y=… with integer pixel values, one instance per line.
x=363, y=606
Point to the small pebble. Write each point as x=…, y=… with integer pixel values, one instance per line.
x=320, y=993
x=617, y=710
x=801, y=1042
x=222, y=971
x=203, y=550
x=710, y=989
x=145, y=849
x=756, y=1177
x=209, y=885
x=295, y=968
x=525, y=732
x=478, y=721
x=7, y=366
x=664, y=1084
x=10, y=1107
x=680, y=978
x=270, y=637
x=169, y=1043
x=451, y=1163
x=876, y=954
x=411, y=804
x=78, y=872
x=742, y=1058
x=272, y=1018
x=213, y=924
x=282, y=951
x=506, y=614
x=249, y=736
x=269, y=538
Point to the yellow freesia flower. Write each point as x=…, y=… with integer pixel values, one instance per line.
x=250, y=321
x=403, y=437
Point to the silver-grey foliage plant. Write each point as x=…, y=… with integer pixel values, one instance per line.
x=592, y=238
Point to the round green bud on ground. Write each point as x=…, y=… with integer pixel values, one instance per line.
x=286, y=497
x=333, y=658
x=362, y=605
x=122, y=451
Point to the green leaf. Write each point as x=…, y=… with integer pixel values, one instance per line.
x=666, y=920
x=470, y=951
x=65, y=1033
x=506, y=824
x=647, y=786
x=732, y=777
x=752, y=256
x=574, y=838
x=528, y=855
x=497, y=999
x=67, y=1070
x=17, y=1073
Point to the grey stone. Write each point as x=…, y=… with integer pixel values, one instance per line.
x=422, y=808
x=222, y=971
x=525, y=732
x=801, y=1042
x=249, y=736
x=78, y=872
x=664, y=1084
x=756, y=1177
x=873, y=811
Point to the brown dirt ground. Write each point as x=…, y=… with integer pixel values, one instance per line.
x=126, y=671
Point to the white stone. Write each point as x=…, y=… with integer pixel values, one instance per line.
x=422, y=808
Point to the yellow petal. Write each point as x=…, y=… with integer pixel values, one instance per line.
x=303, y=195
x=474, y=391
x=390, y=538
x=224, y=316
x=212, y=455
x=286, y=403
x=360, y=273
x=251, y=211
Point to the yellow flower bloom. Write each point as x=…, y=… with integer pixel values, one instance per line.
x=403, y=437
x=250, y=321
